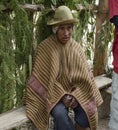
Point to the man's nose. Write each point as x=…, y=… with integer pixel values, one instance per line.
x=66, y=32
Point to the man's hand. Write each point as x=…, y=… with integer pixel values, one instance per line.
x=66, y=100
x=69, y=101
x=74, y=103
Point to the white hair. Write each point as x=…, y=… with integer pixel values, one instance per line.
x=54, y=29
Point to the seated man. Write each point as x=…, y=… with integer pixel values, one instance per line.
x=60, y=80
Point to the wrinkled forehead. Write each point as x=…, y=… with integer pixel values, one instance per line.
x=57, y=27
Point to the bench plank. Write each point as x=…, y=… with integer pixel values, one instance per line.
x=102, y=81
x=108, y=90
x=13, y=118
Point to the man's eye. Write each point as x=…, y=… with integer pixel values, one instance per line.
x=69, y=27
x=61, y=28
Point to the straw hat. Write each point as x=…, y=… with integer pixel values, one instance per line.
x=62, y=15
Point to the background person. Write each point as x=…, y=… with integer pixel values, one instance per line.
x=113, y=124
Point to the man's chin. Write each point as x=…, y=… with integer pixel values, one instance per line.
x=64, y=41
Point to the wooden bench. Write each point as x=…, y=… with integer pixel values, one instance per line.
x=103, y=82
x=17, y=117
x=13, y=118
x=108, y=90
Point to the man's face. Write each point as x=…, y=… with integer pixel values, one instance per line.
x=64, y=33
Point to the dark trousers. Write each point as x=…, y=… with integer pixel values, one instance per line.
x=63, y=122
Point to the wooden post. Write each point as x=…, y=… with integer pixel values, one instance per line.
x=100, y=53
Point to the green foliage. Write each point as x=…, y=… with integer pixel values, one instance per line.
x=15, y=47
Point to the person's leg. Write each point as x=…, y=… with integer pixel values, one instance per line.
x=113, y=123
x=61, y=119
x=81, y=119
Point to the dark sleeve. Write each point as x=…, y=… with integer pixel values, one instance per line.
x=115, y=21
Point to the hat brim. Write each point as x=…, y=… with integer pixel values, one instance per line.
x=53, y=22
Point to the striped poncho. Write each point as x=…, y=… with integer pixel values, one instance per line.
x=58, y=70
